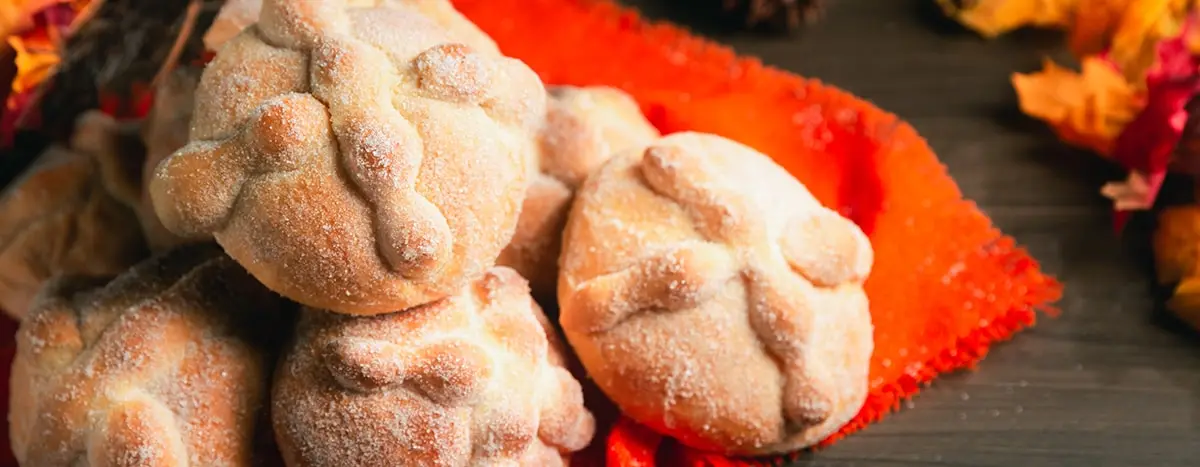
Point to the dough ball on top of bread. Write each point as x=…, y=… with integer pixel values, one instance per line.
x=167, y=364
x=584, y=126
x=357, y=160
x=714, y=299
x=236, y=15
x=475, y=379
x=70, y=212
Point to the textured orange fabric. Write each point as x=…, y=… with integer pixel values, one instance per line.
x=946, y=283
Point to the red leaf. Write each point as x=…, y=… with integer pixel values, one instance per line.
x=1147, y=144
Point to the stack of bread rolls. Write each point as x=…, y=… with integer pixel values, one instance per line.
x=380, y=178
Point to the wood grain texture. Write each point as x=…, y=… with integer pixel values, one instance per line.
x=1114, y=380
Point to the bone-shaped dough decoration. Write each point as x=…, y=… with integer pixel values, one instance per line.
x=469, y=380
x=712, y=297
x=165, y=365
x=355, y=159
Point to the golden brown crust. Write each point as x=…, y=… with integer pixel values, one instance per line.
x=584, y=126
x=163, y=132
x=468, y=380
x=156, y=368
x=714, y=299
x=68, y=214
x=354, y=159
x=236, y=15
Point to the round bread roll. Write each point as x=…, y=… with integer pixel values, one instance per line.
x=354, y=159
x=714, y=299
x=160, y=367
x=469, y=380
x=236, y=15
x=583, y=128
x=69, y=213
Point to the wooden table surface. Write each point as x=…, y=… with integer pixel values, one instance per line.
x=1114, y=380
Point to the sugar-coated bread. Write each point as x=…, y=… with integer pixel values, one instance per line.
x=714, y=299
x=161, y=366
x=584, y=126
x=470, y=380
x=236, y=15
x=163, y=132
x=69, y=213
x=354, y=159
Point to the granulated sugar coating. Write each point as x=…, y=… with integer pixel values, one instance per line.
x=161, y=366
x=689, y=310
x=853, y=157
x=355, y=159
x=582, y=128
x=470, y=380
x=945, y=283
x=66, y=214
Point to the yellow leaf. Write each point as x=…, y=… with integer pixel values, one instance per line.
x=16, y=15
x=1176, y=243
x=1087, y=109
x=33, y=65
x=991, y=18
x=1138, y=29
x=1127, y=29
x=1185, y=302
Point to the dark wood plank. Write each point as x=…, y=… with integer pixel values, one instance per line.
x=1112, y=381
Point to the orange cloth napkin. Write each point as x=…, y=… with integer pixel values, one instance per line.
x=946, y=284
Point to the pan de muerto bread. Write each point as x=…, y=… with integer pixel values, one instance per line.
x=69, y=213
x=583, y=128
x=160, y=367
x=354, y=159
x=468, y=380
x=236, y=15
x=714, y=299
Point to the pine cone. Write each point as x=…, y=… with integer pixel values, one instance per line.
x=123, y=45
x=789, y=14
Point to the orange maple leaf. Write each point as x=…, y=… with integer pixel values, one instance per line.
x=1087, y=109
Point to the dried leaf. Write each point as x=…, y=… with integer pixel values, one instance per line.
x=34, y=62
x=17, y=15
x=1133, y=194
x=1177, y=243
x=1148, y=143
x=1185, y=301
x=1087, y=109
x=1130, y=30
x=991, y=18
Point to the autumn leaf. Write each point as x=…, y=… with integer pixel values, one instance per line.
x=17, y=15
x=1131, y=33
x=991, y=18
x=1087, y=109
x=34, y=63
x=1176, y=243
x=1185, y=302
x=1148, y=144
